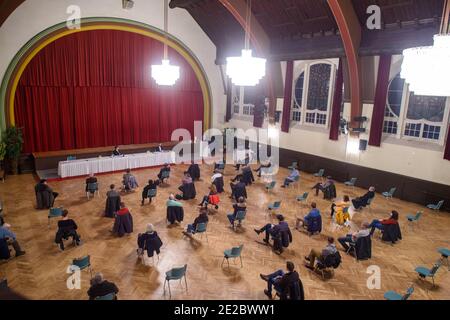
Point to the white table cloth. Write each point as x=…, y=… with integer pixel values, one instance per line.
x=73, y=168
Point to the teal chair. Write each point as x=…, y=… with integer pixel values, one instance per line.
x=270, y=185
x=109, y=296
x=436, y=207
x=296, y=180
x=233, y=253
x=83, y=263
x=220, y=166
x=92, y=188
x=175, y=274
x=165, y=175
x=240, y=216
x=320, y=173
x=303, y=197
x=201, y=228
x=414, y=218
x=274, y=206
x=394, y=296
x=350, y=183
x=424, y=272
x=445, y=253
x=69, y=158
x=294, y=165
x=389, y=194
x=151, y=193
x=54, y=213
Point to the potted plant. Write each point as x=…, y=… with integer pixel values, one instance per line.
x=13, y=141
x=2, y=158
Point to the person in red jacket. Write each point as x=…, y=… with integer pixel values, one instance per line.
x=379, y=224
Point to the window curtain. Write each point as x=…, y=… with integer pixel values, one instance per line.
x=447, y=146
x=337, y=103
x=287, y=96
x=229, y=100
x=258, y=100
x=94, y=89
x=379, y=105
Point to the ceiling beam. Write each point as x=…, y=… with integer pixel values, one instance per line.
x=351, y=34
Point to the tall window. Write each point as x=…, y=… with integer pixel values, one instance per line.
x=313, y=107
x=414, y=117
x=243, y=101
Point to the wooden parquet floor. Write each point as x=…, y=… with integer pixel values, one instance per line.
x=41, y=273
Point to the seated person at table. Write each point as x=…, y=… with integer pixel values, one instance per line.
x=116, y=151
x=123, y=222
x=45, y=196
x=194, y=171
x=330, y=248
x=112, y=201
x=291, y=178
x=152, y=185
x=323, y=186
x=66, y=228
x=238, y=190
x=310, y=219
x=165, y=168
x=351, y=238
x=129, y=181
x=288, y=285
x=10, y=237
x=217, y=180
x=149, y=241
x=340, y=205
x=281, y=234
x=381, y=224
x=89, y=180
x=266, y=164
x=100, y=287
x=363, y=200
x=211, y=198
x=240, y=205
x=202, y=218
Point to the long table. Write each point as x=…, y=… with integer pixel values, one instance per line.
x=73, y=168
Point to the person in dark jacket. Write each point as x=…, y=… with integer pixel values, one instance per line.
x=202, y=218
x=350, y=239
x=381, y=223
x=45, y=196
x=330, y=248
x=212, y=195
x=267, y=164
x=363, y=200
x=323, y=186
x=90, y=179
x=66, y=228
x=9, y=238
x=123, y=222
x=149, y=241
x=129, y=181
x=240, y=205
x=100, y=287
x=165, y=168
x=238, y=190
x=194, y=171
x=175, y=211
x=116, y=151
x=281, y=234
x=312, y=222
x=288, y=285
x=217, y=180
x=152, y=185
x=112, y=202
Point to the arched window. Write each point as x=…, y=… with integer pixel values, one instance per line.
x=413, y=116
x=298, y=98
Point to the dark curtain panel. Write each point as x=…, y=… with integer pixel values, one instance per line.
x=379, y=106
x=94, y=89
x=337, y=103
x=447, y=146
x=287, y=96
x=229, y=100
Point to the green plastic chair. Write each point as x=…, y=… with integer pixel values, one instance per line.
x=274, y=206
x=232, y=253
x=165, y=175
x=240, y=216
x=436, y=207
x=303, y=197
x=414, y=218
x=394, y=296
x=424, y=272
x=54, y=213
x=271, y=185
x=445, y=253
x=320, y=173
x=109, y=296
x=83, y=263
x=294, y=165
x=175, y=274
x=389, y=194
x=201, y=228
x=350, y=183
x=92, y=188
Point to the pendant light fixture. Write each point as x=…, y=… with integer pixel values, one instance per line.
x=165, y=74
x=246, y=70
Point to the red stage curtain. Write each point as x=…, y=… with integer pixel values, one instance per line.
x=94, y=89
x=286, y=121
x=337, y=104
x=379, y=104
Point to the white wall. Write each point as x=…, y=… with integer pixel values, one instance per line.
x=33, y=16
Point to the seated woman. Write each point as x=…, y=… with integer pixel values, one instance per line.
x=100, y=287
x=164, y=170
x=112, y=202
x=217, y=180
x=202, y=218
x=149, y=241
x=152, y=185
x=123, y=222
x=312, y=222
x=187, y=188
x=90, y=180
x=340, y=205
x=240, y=205
x=129, y=181
x=194, y=171
x=281, y=234
x=381, y=224
x=175, y=211
x=211, y=198
x=66, y=228
x=363, y=200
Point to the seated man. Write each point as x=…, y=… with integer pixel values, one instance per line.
x=129, y=181
x=267, y=164
x=247, y=175
x=123, y=223
x=281, y=234
x=100, y=287
x=175, y=212
x=240, y=205
x=217, y=180
x=330, y=248
x=312, y=222
x=194, y=171
x=351, y=238
x=165, y=168
x=363, y=200
x=10, y=238
x=202, y=218
x=149, y=241
x=291, y=178
x=89, y=180
x=66, y=228
x=238, y=190
x=112, y=202
x=345, y=203
x=116, y=151
x=380, y=224
x=288, y=285
x=152, y=185
x=323, y=186
x=211, y=198
x=45, y=196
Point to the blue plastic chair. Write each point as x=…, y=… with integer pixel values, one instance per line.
x=232, y=253
x=414, y=218
x=83, y=263
x=221, y=166
x=303, y=197
x=294, y=165
x=240, y=216
x=350, y=183
x=445, y=254
x=320, y=173
x=109, y=296
x=151, y=193
x=296, y=180
x=274, y=206
x=270, y=185
x=92, y=188
x=201, y=228
x=54, y=213
x=69, y=158
x=436, y=207
x=424, y=272
x=394, y=296
x=175, y=274
x=165, y=175
x=389, y=194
